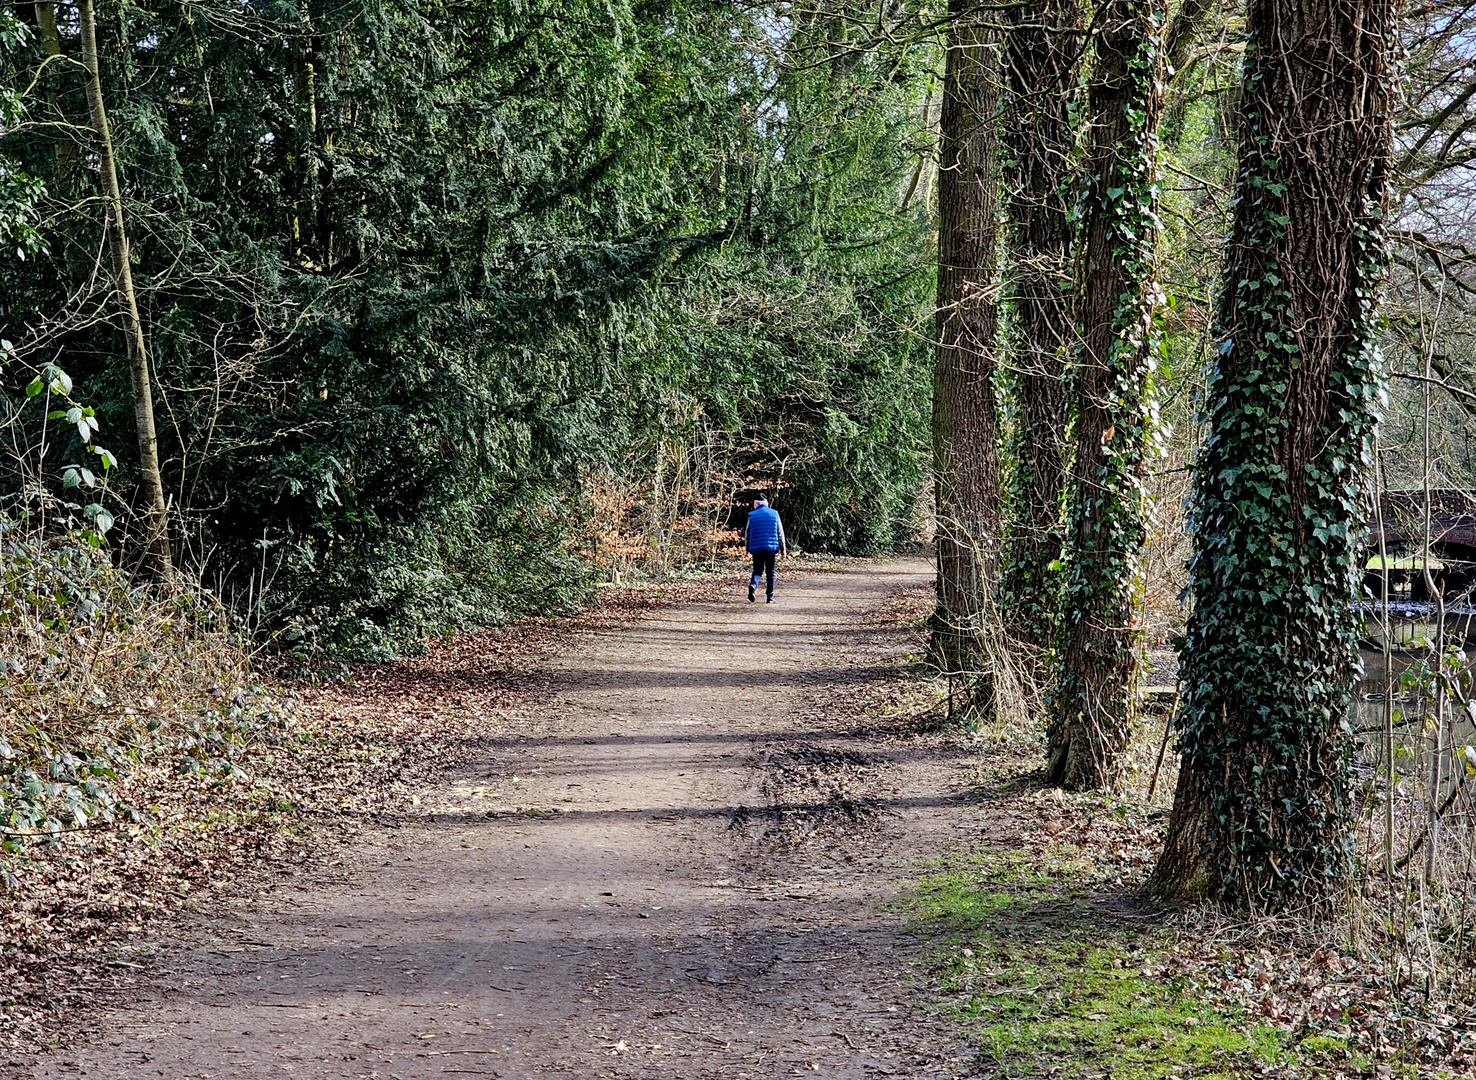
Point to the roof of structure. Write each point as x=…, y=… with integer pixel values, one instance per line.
x=1452, y=520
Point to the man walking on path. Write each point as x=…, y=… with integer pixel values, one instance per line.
x=764, y=535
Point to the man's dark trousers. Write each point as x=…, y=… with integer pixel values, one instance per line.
x=763, y=566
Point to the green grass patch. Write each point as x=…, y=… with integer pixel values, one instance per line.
x=1050, y=981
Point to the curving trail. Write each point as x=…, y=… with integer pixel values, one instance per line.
x=675, y=859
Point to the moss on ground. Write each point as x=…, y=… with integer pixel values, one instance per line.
x=1048, y=980
x=1053, y=971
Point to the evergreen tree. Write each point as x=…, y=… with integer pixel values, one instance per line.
x=413, y=277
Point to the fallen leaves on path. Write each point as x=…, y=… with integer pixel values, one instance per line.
x=83, y=926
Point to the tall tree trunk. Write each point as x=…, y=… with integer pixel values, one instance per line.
x=64, y=154
x=66, y=164
x=156, y=531
x=1095, y=698
x=1041, y=49
x=965, y=430
x=1261, y=815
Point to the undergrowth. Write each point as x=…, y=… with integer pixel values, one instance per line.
x=139, y=765
x=101, y=676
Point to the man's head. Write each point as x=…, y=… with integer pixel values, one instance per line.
x=760, y=500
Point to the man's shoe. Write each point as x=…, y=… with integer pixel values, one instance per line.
x=768, y=599
x=750, y=594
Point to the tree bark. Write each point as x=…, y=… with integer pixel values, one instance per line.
x=1042, y=46
x=156, y=530
x=64, y=154
x=1262, y=816
x=1182, y=35
x=77, y=251
x=965, y=429
x=1094, y=703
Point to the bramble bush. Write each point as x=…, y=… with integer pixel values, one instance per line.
x=99, y=676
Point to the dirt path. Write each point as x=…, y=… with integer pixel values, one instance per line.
x=677, y=861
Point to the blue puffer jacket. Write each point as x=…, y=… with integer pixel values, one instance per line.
x=763, y=529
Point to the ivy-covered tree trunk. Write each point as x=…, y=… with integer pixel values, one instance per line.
x=1041, y=50
x=1093, y=706
x=965, y=431
x=1261, y=815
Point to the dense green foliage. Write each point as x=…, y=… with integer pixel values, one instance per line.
x=414, y=272
x=19, y=193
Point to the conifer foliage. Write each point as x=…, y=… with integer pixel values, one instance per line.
x=415, y=275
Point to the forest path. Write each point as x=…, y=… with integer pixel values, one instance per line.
x=693, y=876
